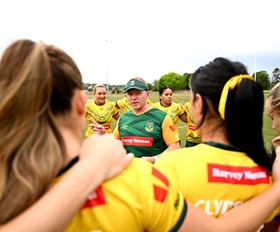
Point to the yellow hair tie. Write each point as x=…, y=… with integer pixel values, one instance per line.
x=231, y=84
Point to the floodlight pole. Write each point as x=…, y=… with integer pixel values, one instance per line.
x=255, y=62
x=107, y=65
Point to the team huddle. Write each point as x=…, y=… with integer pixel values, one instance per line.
x=135, y=177
x=145, y=128
x=150, y=130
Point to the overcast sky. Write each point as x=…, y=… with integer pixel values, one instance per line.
x=114, y=40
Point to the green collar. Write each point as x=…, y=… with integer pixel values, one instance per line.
x=222, y=146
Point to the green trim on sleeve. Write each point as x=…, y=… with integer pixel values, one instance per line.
x=181, y=219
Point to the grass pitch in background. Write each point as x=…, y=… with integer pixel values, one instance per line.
x=183, y=97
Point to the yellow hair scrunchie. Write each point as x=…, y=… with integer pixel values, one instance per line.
x=231, y=84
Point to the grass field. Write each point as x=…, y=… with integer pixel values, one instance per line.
x=183, y=97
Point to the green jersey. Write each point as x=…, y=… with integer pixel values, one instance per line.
x=146, y=134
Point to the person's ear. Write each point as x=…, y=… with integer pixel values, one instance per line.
x=81, y=102
x=198, y=103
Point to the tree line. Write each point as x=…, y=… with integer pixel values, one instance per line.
x=181, y=82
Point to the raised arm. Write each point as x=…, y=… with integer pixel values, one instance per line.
x=53, y=211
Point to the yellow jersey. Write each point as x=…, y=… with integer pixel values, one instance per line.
x=214, y=177
x=139, y=199
x=192, y=134
x=174, y=111
x=101, y=114
x=125, y=105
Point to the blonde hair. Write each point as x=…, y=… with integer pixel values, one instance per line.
x=274, y=97
x=37, y=82
x=96, y=86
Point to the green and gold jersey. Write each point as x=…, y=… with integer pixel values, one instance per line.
x=214, y=177
x=102, y=114
x=125, y=105
x=192, y=134
x=146, y=134
x=139, y=199
x=174, y=111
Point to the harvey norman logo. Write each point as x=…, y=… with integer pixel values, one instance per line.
x=137, y=141
x=237, y=175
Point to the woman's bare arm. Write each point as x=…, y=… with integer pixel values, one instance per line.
x=53, y=211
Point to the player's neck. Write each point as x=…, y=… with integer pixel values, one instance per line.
x=213, y=132
x=99, y=103
x=165, y=104
x=72, y=139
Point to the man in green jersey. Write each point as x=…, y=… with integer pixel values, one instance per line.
x=145, y=131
